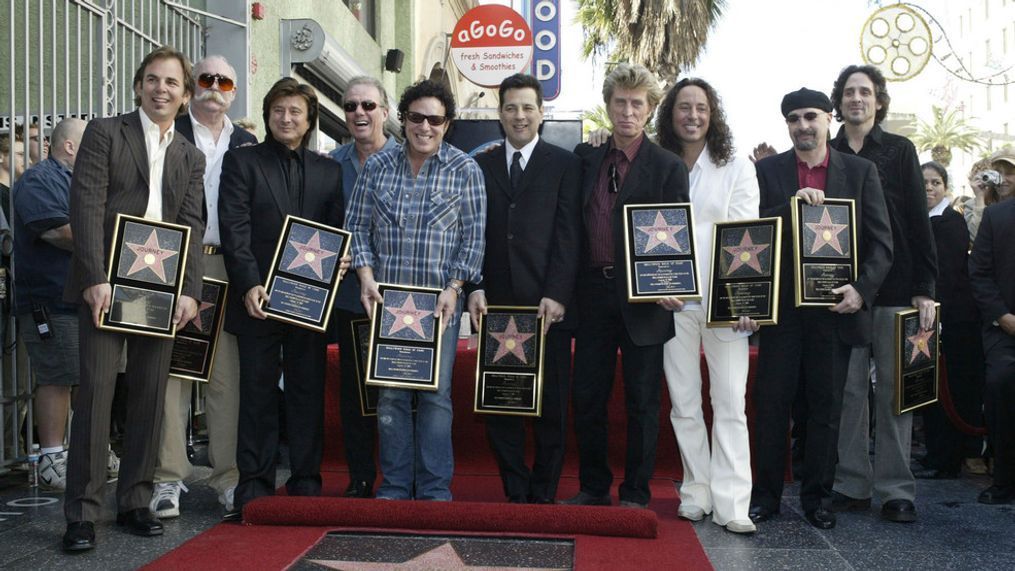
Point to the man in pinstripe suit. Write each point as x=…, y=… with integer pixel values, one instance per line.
x=131, y=164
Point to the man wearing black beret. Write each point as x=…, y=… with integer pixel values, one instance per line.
x=811, y=345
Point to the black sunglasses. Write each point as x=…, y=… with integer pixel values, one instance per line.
x=809, y=116
x=435, y=120
x=206, y=80
x=350, y=106
x=614, y=182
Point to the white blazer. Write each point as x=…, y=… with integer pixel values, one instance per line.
x=719, y=194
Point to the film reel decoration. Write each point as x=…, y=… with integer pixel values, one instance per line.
x=898, y=41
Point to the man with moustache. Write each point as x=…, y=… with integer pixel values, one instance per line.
x=811, y=345
x=860, y=99
x=366, y=110
x=533, y=237
x=260, y=186
x=132, y=164
x=211, y=131
x=418, y=218
x=630, y=169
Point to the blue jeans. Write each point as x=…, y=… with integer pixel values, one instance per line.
x=419, y=454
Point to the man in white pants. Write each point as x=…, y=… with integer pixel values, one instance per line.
x=691, y=123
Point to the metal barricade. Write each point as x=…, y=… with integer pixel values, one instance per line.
x=71, y=58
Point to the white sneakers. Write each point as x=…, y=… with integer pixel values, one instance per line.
x=166, y=499
x=226, y=498
x=53, y=470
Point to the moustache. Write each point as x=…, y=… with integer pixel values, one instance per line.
x=210, y=95
x=810, y=132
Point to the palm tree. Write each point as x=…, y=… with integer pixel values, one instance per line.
x=947, y=131
x=665, y=36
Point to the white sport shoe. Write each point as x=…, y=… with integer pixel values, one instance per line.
x=226, y=498
x=166, y=499
x=53, y=471
x=112, y=466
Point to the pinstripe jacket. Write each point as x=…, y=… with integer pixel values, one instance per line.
x=111, y=177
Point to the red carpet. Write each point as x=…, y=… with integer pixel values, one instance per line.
x=278, y=546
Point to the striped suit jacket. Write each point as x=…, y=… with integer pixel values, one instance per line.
x=111, y=177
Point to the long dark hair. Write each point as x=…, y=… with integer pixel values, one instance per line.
x=719, y=140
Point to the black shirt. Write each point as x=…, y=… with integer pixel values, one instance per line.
x=914, y=266
x=291, y=163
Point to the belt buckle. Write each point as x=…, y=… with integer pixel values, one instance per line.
x=608, y=272
x=211, y=250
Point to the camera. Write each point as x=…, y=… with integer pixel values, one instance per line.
x=989, y=177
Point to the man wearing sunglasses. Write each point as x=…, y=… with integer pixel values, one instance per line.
x=811, y=345
x=418, y=218
x=629, y=169
x=533, y=242
x=208, y=128
x=366, y=110
x=860, y=98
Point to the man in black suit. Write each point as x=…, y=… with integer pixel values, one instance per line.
x=533, y=235
x=260, y=186
x=812, y=344
x=992, y=277
x=630, y=169
x=132, y=164
x=209, y=129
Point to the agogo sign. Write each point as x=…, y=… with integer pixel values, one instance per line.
x=490, y=43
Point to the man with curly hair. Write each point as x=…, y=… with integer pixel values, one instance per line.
x=418, y=218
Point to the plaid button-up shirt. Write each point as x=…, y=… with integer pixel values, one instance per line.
x=419, y=230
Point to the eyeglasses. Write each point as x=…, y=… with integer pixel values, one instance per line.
x=809, y=116
x=435, y=120
x=350, y=106
x=614, y=182
x=206, y=80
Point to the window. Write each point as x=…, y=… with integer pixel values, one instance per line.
x=364, y=11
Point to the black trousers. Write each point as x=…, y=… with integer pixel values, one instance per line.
x=803, y=348
x=147, y=372
x=601, y=333
x=359, y=433
x=999, y=402
x=507, y=433
x=962, y=345
x=302, y=354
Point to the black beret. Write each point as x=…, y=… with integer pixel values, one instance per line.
x=804, y=97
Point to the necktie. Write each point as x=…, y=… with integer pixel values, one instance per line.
x=516, y=171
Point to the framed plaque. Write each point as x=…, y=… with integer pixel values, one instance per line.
x=304, y=276
x=745, y=272
x=146, y=265
x=361, y=339
x=195, y=344
x=509, y=361
x=405, y=338
x=916, y=360
x=659, y=244
x=824, y=250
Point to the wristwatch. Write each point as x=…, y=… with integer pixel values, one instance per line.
x=457, y=288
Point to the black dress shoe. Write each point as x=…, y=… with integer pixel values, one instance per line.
x=899, y=511
x=540, y=500
x=359, y=489
x=233, y=516
x=936, y=474
x=586, y=499
x=759, y=514
x=80, y=536
x=843, y=503
x=820, y=518
x=996, y=495
x=518, y=500
x=140, y=522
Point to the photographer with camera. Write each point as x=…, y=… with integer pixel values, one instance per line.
x=992, y=180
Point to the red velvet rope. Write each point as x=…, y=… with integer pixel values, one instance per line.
x=945, y=396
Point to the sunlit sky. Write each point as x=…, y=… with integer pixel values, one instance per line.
x=758, y=52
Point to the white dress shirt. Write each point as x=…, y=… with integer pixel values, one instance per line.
x=213, y=153
x=526, y=152
x=939, y=209
x=156, y=146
